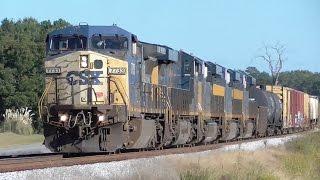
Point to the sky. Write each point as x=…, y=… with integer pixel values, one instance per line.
x=228, y=32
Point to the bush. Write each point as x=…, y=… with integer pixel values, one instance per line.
x=18, y=121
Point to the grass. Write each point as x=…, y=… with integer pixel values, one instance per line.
x=8, y=139
x=303, y=157
x=18, y=121
x=297, y=159
x=238, y=171
x=198, y=173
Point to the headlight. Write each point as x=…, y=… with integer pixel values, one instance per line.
x=83, y=61
x=101, y=117
x=64, y=117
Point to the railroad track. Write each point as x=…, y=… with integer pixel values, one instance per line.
x=40, y=161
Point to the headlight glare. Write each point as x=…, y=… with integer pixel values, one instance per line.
x=64, y=117
x=101, y=117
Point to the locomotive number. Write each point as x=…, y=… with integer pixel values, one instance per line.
x=82, y=77
x=53, y=70
x=117, y=70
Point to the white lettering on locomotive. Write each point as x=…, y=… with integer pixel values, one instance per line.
x=117, y=70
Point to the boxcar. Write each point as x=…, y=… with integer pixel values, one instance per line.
x=297, y=108
x=314, y=109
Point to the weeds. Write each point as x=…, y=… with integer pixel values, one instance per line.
x=238, y=171
x=299, y=159
x=18, y=121
x=195, y=172
x=303, y=157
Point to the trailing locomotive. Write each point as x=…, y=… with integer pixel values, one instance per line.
x=106, y=90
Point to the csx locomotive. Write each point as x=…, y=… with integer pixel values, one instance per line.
x=106, y=91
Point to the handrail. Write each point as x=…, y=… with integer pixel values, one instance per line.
x=115, y=82
x=45, y=92
x=124, y=101
x=72, y=91
x=120, y=89
x=121, y=86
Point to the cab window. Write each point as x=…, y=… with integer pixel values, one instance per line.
x=67, y=43
x=109, y=42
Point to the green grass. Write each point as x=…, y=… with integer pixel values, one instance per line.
x=8, y=139
x=250, y=171
x=197, y=173
x=303, y=157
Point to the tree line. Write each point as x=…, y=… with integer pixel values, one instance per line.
x=22, y=53
x=302, y=80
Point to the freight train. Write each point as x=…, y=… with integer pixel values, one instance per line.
x=107, y=91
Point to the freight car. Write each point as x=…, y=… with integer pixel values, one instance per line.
x=300, y=111
x=314, y=110
x=106, y=90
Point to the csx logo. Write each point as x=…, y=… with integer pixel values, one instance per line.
x=82, y=77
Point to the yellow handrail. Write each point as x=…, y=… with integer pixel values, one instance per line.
x=43, y=96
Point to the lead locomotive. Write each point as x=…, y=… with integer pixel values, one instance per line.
x=106, y=90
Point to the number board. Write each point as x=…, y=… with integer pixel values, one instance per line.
x=53, y=70
x=117, y=70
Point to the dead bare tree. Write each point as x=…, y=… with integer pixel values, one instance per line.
x=274, y=56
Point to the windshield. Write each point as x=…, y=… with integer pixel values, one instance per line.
x=109, y=42
x=67, y=43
